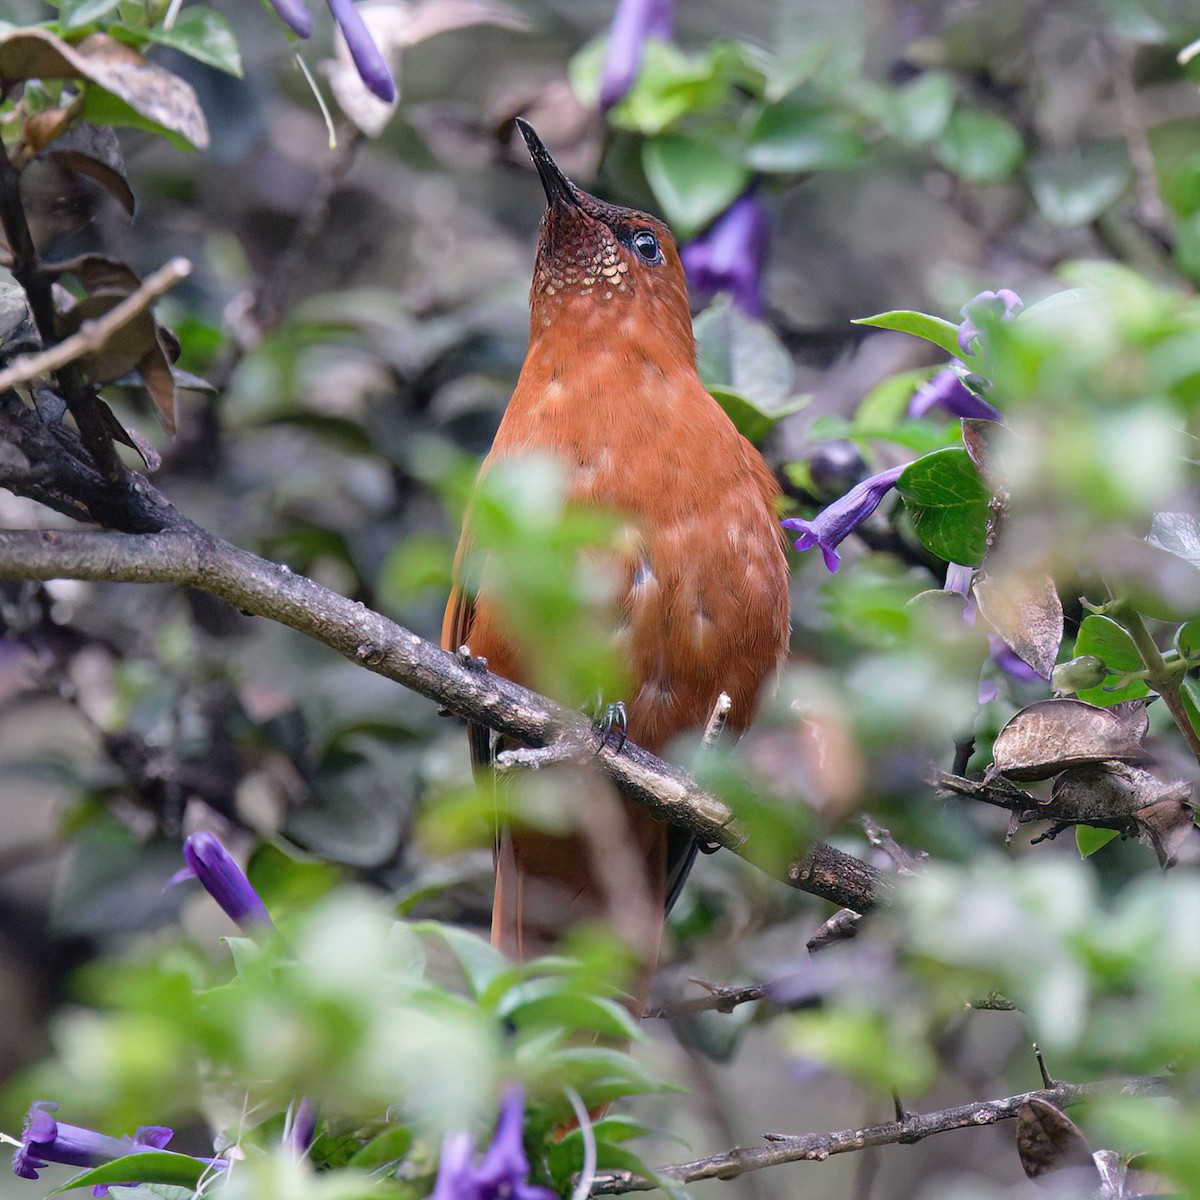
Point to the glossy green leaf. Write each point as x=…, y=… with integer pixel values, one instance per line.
x=791, y=137
x=933, y=329
x=1089, y=839
x=204, y=35
x=1190, y=690
x=1187, y=639
x=752, y=422
x=75, y=14
x=157, y=1166
x=1104, y=638
x=948, y=504
x=694, y=181
x=979, y=147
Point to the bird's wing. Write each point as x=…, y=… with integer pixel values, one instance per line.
x=456, y=631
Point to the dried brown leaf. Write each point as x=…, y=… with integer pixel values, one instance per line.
x=979, y=441
x=1048, y=737
x=150, y=90
x=1048, y=1141
x=156, y=373
x=93, y=150
x=1027, y=614
x=41, y=128
x=123, y=350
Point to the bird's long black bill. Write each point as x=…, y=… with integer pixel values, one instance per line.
x=559, y=189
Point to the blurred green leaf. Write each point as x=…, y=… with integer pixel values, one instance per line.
x=75, y=14
x=693, y=180
x=159, y=1166
x=101, y=107
x=917, y=112
x=979, y=147
x=1075, y=186
x=792, y=136
x=948, y=504
x=933, y=329
x=1104, y=638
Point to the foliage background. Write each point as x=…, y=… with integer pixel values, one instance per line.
x=341, y=442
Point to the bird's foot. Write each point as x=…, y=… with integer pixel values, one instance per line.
x=613, y=727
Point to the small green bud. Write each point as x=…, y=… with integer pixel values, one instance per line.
x=1086, y=671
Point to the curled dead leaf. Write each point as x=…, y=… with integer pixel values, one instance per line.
x=1049, y=1142
x=150, y=90
x=93, y=150
x=1027, y=614
x=1048, y=737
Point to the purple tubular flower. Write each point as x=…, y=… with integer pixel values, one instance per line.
x=633, y=23
x=836, y=522
x=1004, y=304
x=45, y=1140
x=728, y=255
x=299, y=1127
x=502, y=1173
x=1011, y=663
x=371, y=68
x=294, y=15
x=947, y=392
x=225, y=882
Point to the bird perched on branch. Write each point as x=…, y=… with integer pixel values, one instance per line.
x=609, y=387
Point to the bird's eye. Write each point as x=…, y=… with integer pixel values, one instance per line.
x=647, y=247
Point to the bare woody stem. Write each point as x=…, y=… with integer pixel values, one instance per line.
x=817, y=1147
x=183, y=553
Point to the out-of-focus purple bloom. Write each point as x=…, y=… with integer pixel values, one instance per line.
x=836, y=522
x=45, y=1140
x=958, y=578
x=299, y=1127
x=947, y=392
x=503, y=1171
x=633, y=23
x=371, y=67
x=1003, y=304
x=728, y=255
x=1010, y=663
x=294, y=15
x=225, y=882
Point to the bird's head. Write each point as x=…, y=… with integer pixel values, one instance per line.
x=595, y=257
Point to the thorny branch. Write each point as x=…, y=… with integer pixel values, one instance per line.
x=817, y=1147
x=166, y=547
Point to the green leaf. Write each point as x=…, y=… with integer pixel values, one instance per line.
x=388, y=1147
x=1089, y=839
x=917, y=112
x=204, y=35
x=75, y=14
x=670, y=85
x=693, y=181
x=948, y=504
x=979, y=147
x=750, y=420
x=1190, y=691
x=480, y=962
x=1187, y=639
x=1104, y=638
x=932, y=329
x=1075, y=187
x=565, y=1010
x=101, y=107
x=156, y=1166
x=791, y=136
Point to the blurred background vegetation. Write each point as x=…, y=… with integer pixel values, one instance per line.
x=361, y=312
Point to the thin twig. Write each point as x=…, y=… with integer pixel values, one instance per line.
x=94, y=335
x=817, y=1147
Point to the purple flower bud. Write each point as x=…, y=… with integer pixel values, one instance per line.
x=299, y=1127
x=947, y=392
x=294, y=15
x=959, y=578
x=633, y=23
x=502, y=1173
x=728, y=255
x=1004, y=304
x=836, y=522
x=45, y=1140
x=371, y=68
x=224, y=881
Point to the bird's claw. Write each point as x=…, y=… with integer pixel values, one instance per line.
x=614, y=725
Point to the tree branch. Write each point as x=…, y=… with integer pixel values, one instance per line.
x=183, y=553
x=817, y=1147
